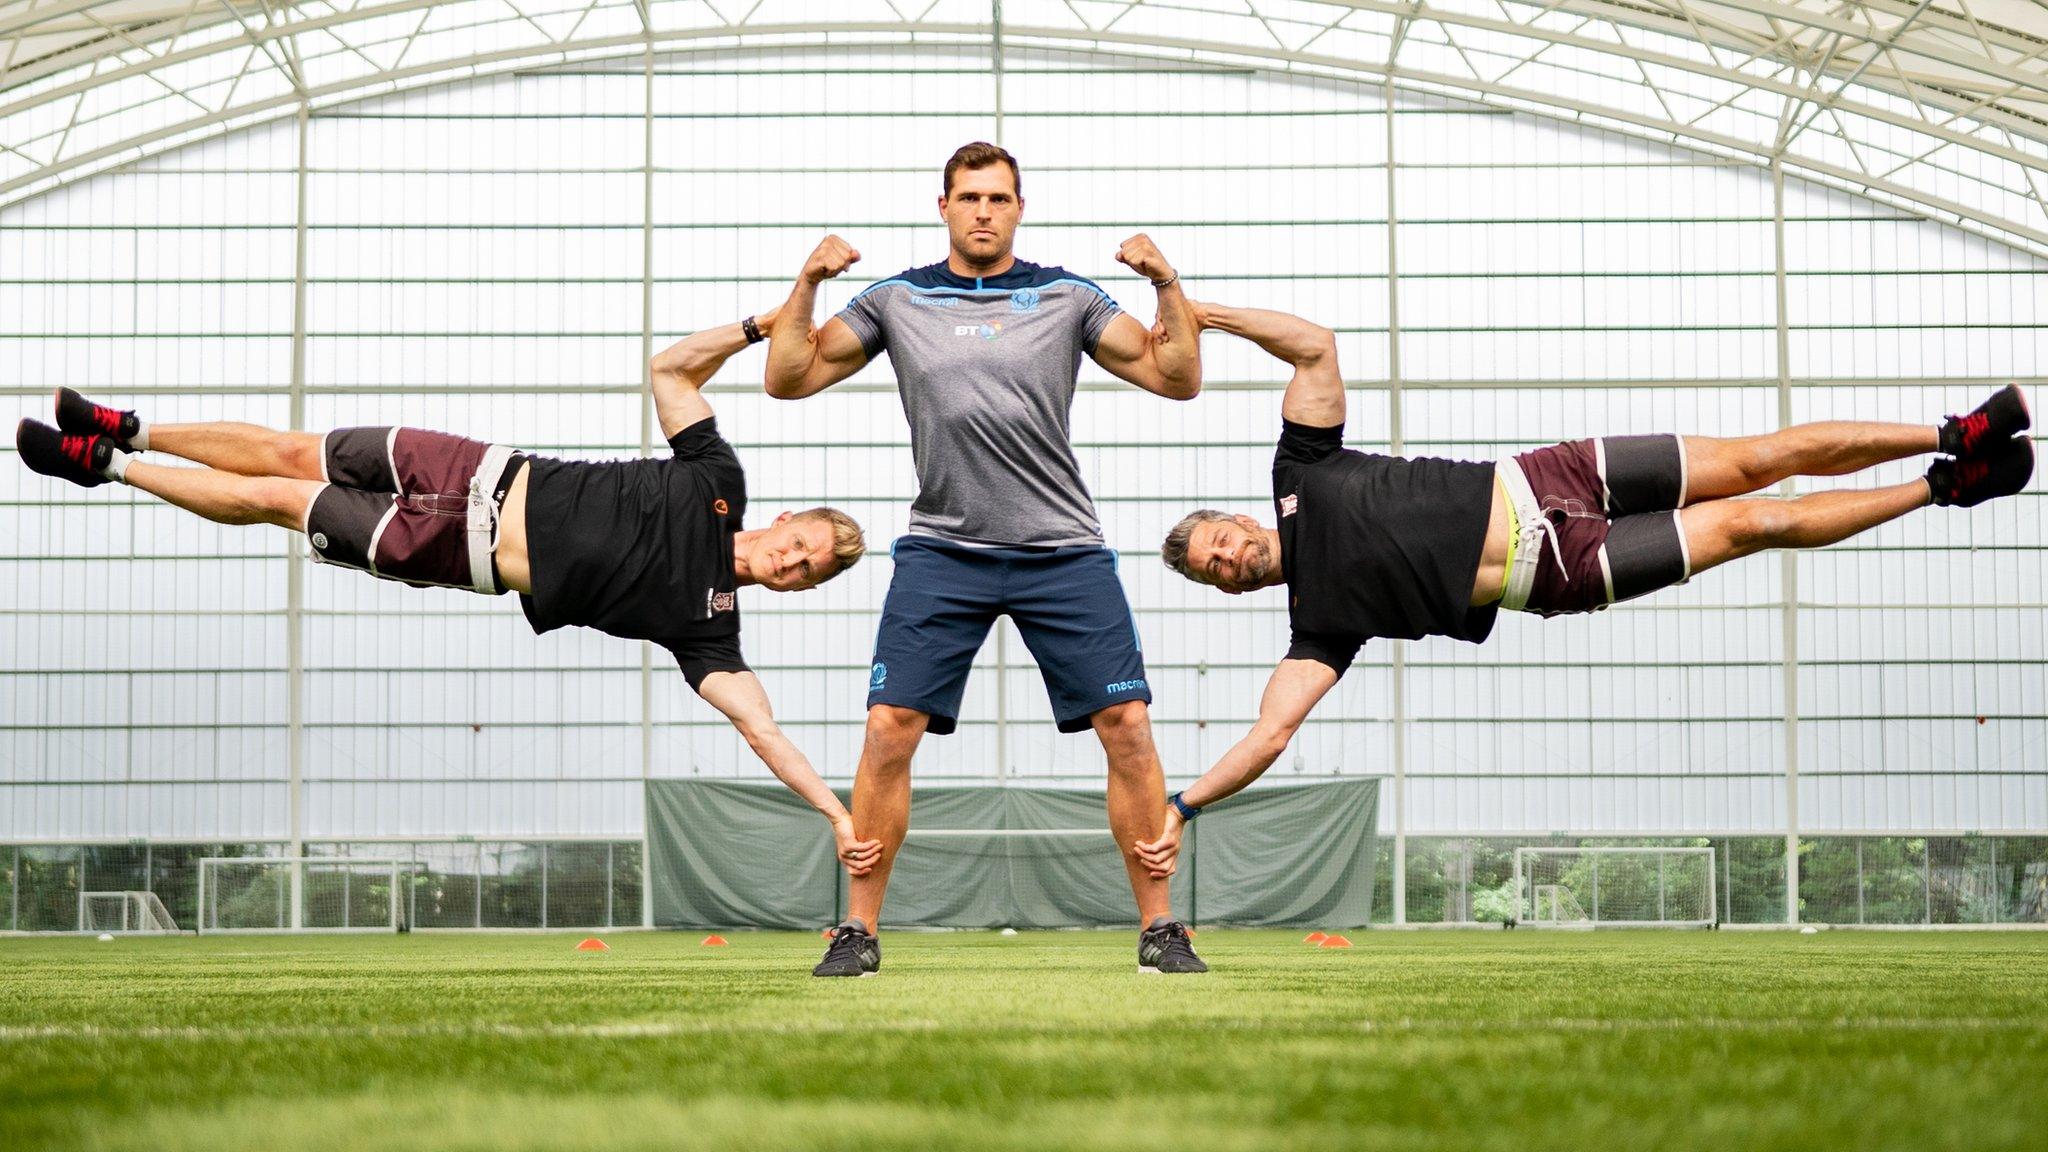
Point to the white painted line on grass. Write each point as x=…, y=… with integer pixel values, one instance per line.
x=660, y=1029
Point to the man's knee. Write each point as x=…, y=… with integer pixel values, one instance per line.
x=892, y=735
x=1124, y=727
x=302, y=453
x=272, y=500
x=1754, y=525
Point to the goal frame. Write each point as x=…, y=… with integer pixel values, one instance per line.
x=293, y=898
x=135, y=904
x=1526, y=899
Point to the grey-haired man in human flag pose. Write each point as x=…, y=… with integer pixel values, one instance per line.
x=1377, y=546
x=987, y=349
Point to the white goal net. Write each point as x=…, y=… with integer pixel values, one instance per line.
x=123, y=912
x=1615, y=887
x=302, y=894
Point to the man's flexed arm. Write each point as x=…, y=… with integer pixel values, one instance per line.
x=681, y=370
x=740, y=696
x=1315, y=396
x=803, y=360
x=1167, y=360
x=1295, y=687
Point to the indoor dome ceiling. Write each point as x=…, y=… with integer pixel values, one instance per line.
x=1939, y=107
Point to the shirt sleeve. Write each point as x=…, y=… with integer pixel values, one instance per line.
x=1334, y=652
x=864, y=316
x=700, y=658
x=1097, y=310
x=699, y=440
x=1307, y=444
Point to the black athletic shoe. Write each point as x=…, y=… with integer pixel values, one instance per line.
x=1992, y=473
x=1995, y=421
x=1164, y=947
x=79, y=459
x=82, y=417
x=854, y=952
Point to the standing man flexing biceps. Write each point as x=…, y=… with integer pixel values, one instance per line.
x=987, y=349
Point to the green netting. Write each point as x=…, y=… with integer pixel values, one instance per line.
x=728, y=855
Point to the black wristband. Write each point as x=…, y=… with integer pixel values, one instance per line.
x=1187, y=811
x=752, y=330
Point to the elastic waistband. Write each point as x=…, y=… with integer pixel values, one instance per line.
x=494, y=476
x=510, y=476
x=1529, y=532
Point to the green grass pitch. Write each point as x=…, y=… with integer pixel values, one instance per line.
x=1038, y=1042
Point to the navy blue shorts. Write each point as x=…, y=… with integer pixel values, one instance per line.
x=1066, y=602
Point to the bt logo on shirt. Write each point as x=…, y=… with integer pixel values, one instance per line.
x=987, y=331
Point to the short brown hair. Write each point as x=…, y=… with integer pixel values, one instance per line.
x=1174, y=552
x=981, y=154
x=848, y=545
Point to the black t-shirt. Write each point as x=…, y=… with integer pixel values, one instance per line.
x=1376, y=545
x=642, y=548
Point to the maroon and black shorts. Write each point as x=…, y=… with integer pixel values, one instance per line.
x=1612, y=505
x=396, y=504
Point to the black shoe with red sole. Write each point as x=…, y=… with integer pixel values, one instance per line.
x=79, y=459
x=1994, y=472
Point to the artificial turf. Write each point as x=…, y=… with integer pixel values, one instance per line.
x=1042, y=1041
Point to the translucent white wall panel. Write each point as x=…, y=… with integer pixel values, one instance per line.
x=475, y=264
x=142, y=685
x=480, y=808
x=1874, y=293
x=1924, y=651
x=137, y=810
x=1531, y=252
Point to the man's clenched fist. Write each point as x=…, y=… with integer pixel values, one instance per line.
x=831, y=257
x=1143, y=258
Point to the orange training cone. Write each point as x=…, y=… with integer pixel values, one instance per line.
x=593, y=944
x=714, y=941
x=1314, y=938
x=1335, y=942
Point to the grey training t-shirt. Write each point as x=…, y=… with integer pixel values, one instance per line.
x=986, y=369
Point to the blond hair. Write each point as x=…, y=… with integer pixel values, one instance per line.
x=848, y=544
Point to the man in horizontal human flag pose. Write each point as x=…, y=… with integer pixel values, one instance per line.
x=649, y=549
x=987, y=349
x=1377, y=546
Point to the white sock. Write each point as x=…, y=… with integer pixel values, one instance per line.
x=117, y=466
x=141, y=438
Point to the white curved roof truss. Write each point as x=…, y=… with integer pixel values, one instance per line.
x=1940, y=107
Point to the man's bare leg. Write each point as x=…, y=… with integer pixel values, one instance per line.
x=244, y=449
x=1722, y=530
x=1137, y=795
x=225, y=498
x=1718, y=468
x=881, y=801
